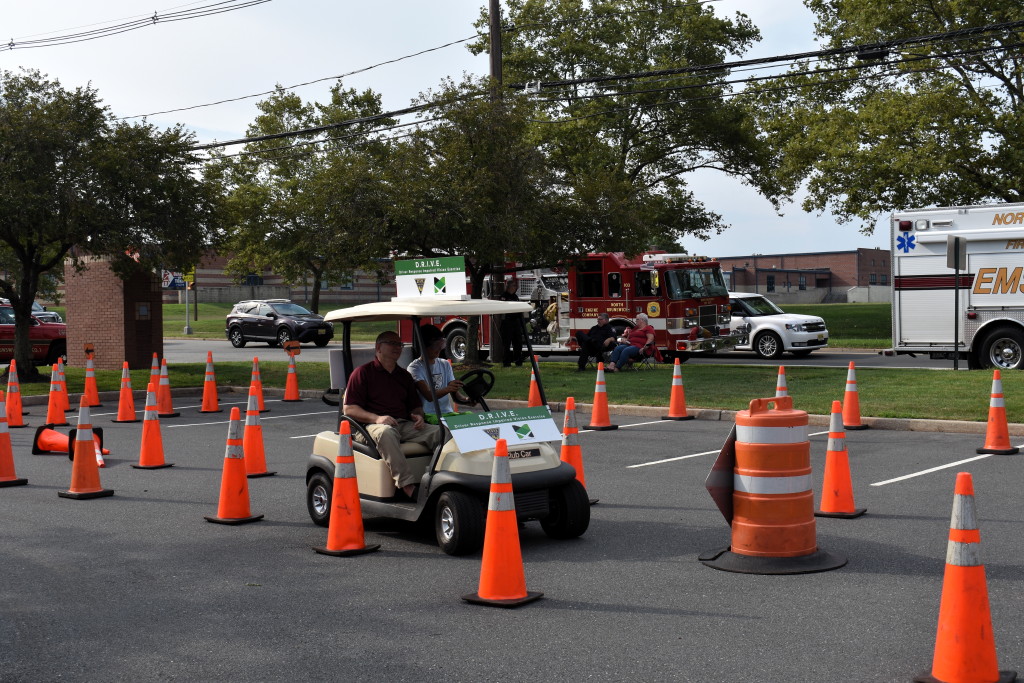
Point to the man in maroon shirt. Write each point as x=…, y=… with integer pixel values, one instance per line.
x=383, y=397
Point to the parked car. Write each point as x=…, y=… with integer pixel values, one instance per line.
x=48, y=340
x=769, y=331
x=275, y=321
x=39, y=311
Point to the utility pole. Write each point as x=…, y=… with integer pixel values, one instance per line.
x=497, y=343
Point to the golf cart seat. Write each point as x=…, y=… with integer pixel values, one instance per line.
x=373, y=472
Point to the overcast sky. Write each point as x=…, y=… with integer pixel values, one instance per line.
x=233, y=54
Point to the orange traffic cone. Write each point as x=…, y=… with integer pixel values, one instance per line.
x=677, y=399
x=126, y=404
x=164, y=402
x=780, y=384
x=533, y=401
x=154, y=371
x=151, y=450
x=91, y=391
x=210, y=401
x=502, y=580
x=837, y=487
x=48, y=441
x=252, y=442
x=572, y=453
x=62, y=383
x=851, y=402
x=7, y=474
x=599, y=419
x=233, y=507
x=54, y=411
x=345, y=535
x=997, y=436
x=291, y=383
x=85, y=473
x=14, y=410
x=258, y=383
x=965, y=649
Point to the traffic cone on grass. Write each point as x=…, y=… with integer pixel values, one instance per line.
x=164, y=402
x=85, y=473
x=533, y=400
x=14, y=410
x=837, y=487
x=210, y=401
x=780, y=384
x=151, y=450
x=233, y=507
x=291, y=383
x=91, y=391
x=54, y=412
x=7, y=475
x=965, y=649
x=571, y=452
x=345, y=536
x=255, y=457
x=997, y=436
x=851, y=402
x=258, y=383
x=599, y=419
x=502, y=579
x=677, y=399
x=126, y=403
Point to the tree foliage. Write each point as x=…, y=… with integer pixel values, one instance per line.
x=622, y=149
x=309, y=205
x=76, y=182
x=934, y=123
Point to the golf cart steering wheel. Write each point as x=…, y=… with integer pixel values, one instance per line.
x=475, y=385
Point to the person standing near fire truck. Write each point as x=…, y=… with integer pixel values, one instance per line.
x=511, y=328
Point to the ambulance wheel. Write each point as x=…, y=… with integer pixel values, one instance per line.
x=318, y=498
x=459, y=521
x=1003, y=349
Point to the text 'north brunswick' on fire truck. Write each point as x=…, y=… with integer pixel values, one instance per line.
x=684, y=297
x=989, y=322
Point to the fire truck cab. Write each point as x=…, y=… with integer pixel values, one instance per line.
x=685, y=299
x=978, y=316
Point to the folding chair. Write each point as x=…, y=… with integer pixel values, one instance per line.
x=645, y=360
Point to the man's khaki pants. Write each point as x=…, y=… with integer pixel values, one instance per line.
x=389, y=440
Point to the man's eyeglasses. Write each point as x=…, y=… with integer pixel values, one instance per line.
x=394, y=343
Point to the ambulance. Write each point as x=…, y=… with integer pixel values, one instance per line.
x=979, y=316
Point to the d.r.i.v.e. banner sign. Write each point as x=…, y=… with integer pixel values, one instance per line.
x=432, y=278
x=479, y=431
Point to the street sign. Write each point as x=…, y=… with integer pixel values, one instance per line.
x=172, y=279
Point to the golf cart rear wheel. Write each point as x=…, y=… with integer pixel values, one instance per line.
x=318, y=498
x=570, y=512
x=459, y=521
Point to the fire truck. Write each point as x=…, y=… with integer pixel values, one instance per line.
x=980, y=315
x=685, y=299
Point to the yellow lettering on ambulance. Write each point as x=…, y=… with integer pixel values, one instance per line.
x=1007, y=284
x=984, y=278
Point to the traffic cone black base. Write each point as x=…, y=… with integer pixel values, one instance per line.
x=842, y=515
x=1004, y=677
x=515, y=602
x=219, y=410
x=999, y=451
x=152, y=467
x=853, y=428
x=36, y=449
x=125, y=421
x=13, y=482
x=102, y=493
x=97, y=432
x=163, y=415
x=260, y=474
x=728, y=561
x=679, y=419
x=605, y=428
x=235, y=521
x=349, y=553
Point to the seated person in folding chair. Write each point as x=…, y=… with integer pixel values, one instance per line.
x=383, y=397
x=636, y=339
x=445, y=383
x=596, y=342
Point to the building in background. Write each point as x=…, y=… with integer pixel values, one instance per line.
x=856, y=276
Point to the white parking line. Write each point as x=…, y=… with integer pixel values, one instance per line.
x=263, y=418
x=686, y=457
x=933, y=469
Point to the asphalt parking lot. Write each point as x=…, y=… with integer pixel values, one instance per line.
x=138, y=587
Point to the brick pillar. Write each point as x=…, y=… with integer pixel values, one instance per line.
x=122, y=319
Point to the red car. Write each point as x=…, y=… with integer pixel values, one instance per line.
x=49, y=340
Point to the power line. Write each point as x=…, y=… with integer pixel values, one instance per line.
x=299, y=85
x=135, y=24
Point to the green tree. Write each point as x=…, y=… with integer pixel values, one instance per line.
x=931, y=123
x=621, y=150
x=308, y=205
x=75, y=182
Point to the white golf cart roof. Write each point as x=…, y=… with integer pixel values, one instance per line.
x=426, y=308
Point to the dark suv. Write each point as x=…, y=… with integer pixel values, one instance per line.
x=275, y=321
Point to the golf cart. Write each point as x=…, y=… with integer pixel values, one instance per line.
x=454, y=486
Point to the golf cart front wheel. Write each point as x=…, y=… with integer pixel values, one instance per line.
x=569, y=511
x=318, y=498
x=459, y=521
